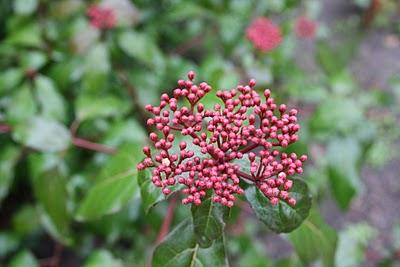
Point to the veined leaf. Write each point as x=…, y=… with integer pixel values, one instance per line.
x=180, y=248
x=208, y=221
x=281, y=218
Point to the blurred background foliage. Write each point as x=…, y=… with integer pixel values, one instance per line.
x=72, y=126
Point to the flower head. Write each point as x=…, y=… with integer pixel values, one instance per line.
x=264, y=34
x=246, y=127
x=305, y=27
x=101, y=17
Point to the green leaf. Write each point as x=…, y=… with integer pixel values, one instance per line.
x=33, y=60
x=9, y=242
x=22, y=105
x=26, y=220
x=115, y=187
x=142, y=48
x=89, y=107
x=10, y=78
x=352, y=244
x=27, y=35
x=42, y=134
x=108, y=196
x=180, y=248
x=281, y=218
x=103, y=258
x=8, y=159
x=51, y=102
x=315, y=239
x=336, y=114
x=125, y=160
x=25, y=7
x=97, y=60
x=150, y=194
x=49, y=185
x=208, y=221
x=343, y=167
x=23, y=259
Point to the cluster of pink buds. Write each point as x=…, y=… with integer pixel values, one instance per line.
x=101, y=17
x=305, y=28
x=243, y=129
x=264, y=34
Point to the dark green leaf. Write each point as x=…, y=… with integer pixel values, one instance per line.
x=8, y=159
x=281, y=218
x=180, y=248
x=208, y=221
x=24, y=259
x=42, y=134
x=315, y=239
x=49, y=183
x=26, y=220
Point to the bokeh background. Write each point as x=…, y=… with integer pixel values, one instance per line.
x=72, y=121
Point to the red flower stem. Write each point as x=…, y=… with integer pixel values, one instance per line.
x=248, y=148
x=168, y=219
x=245, y=176
x=83, y=143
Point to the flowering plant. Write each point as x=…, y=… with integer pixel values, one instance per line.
x=227, y=133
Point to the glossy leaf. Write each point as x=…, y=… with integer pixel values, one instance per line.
x=108, y=196
x=315, y=239
x=180, y=248
x=208, y=221
x=42, y=134
x=281, y=218
x=51, y=102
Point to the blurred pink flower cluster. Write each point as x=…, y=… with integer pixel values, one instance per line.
x=264, y=34
x=101, y=17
